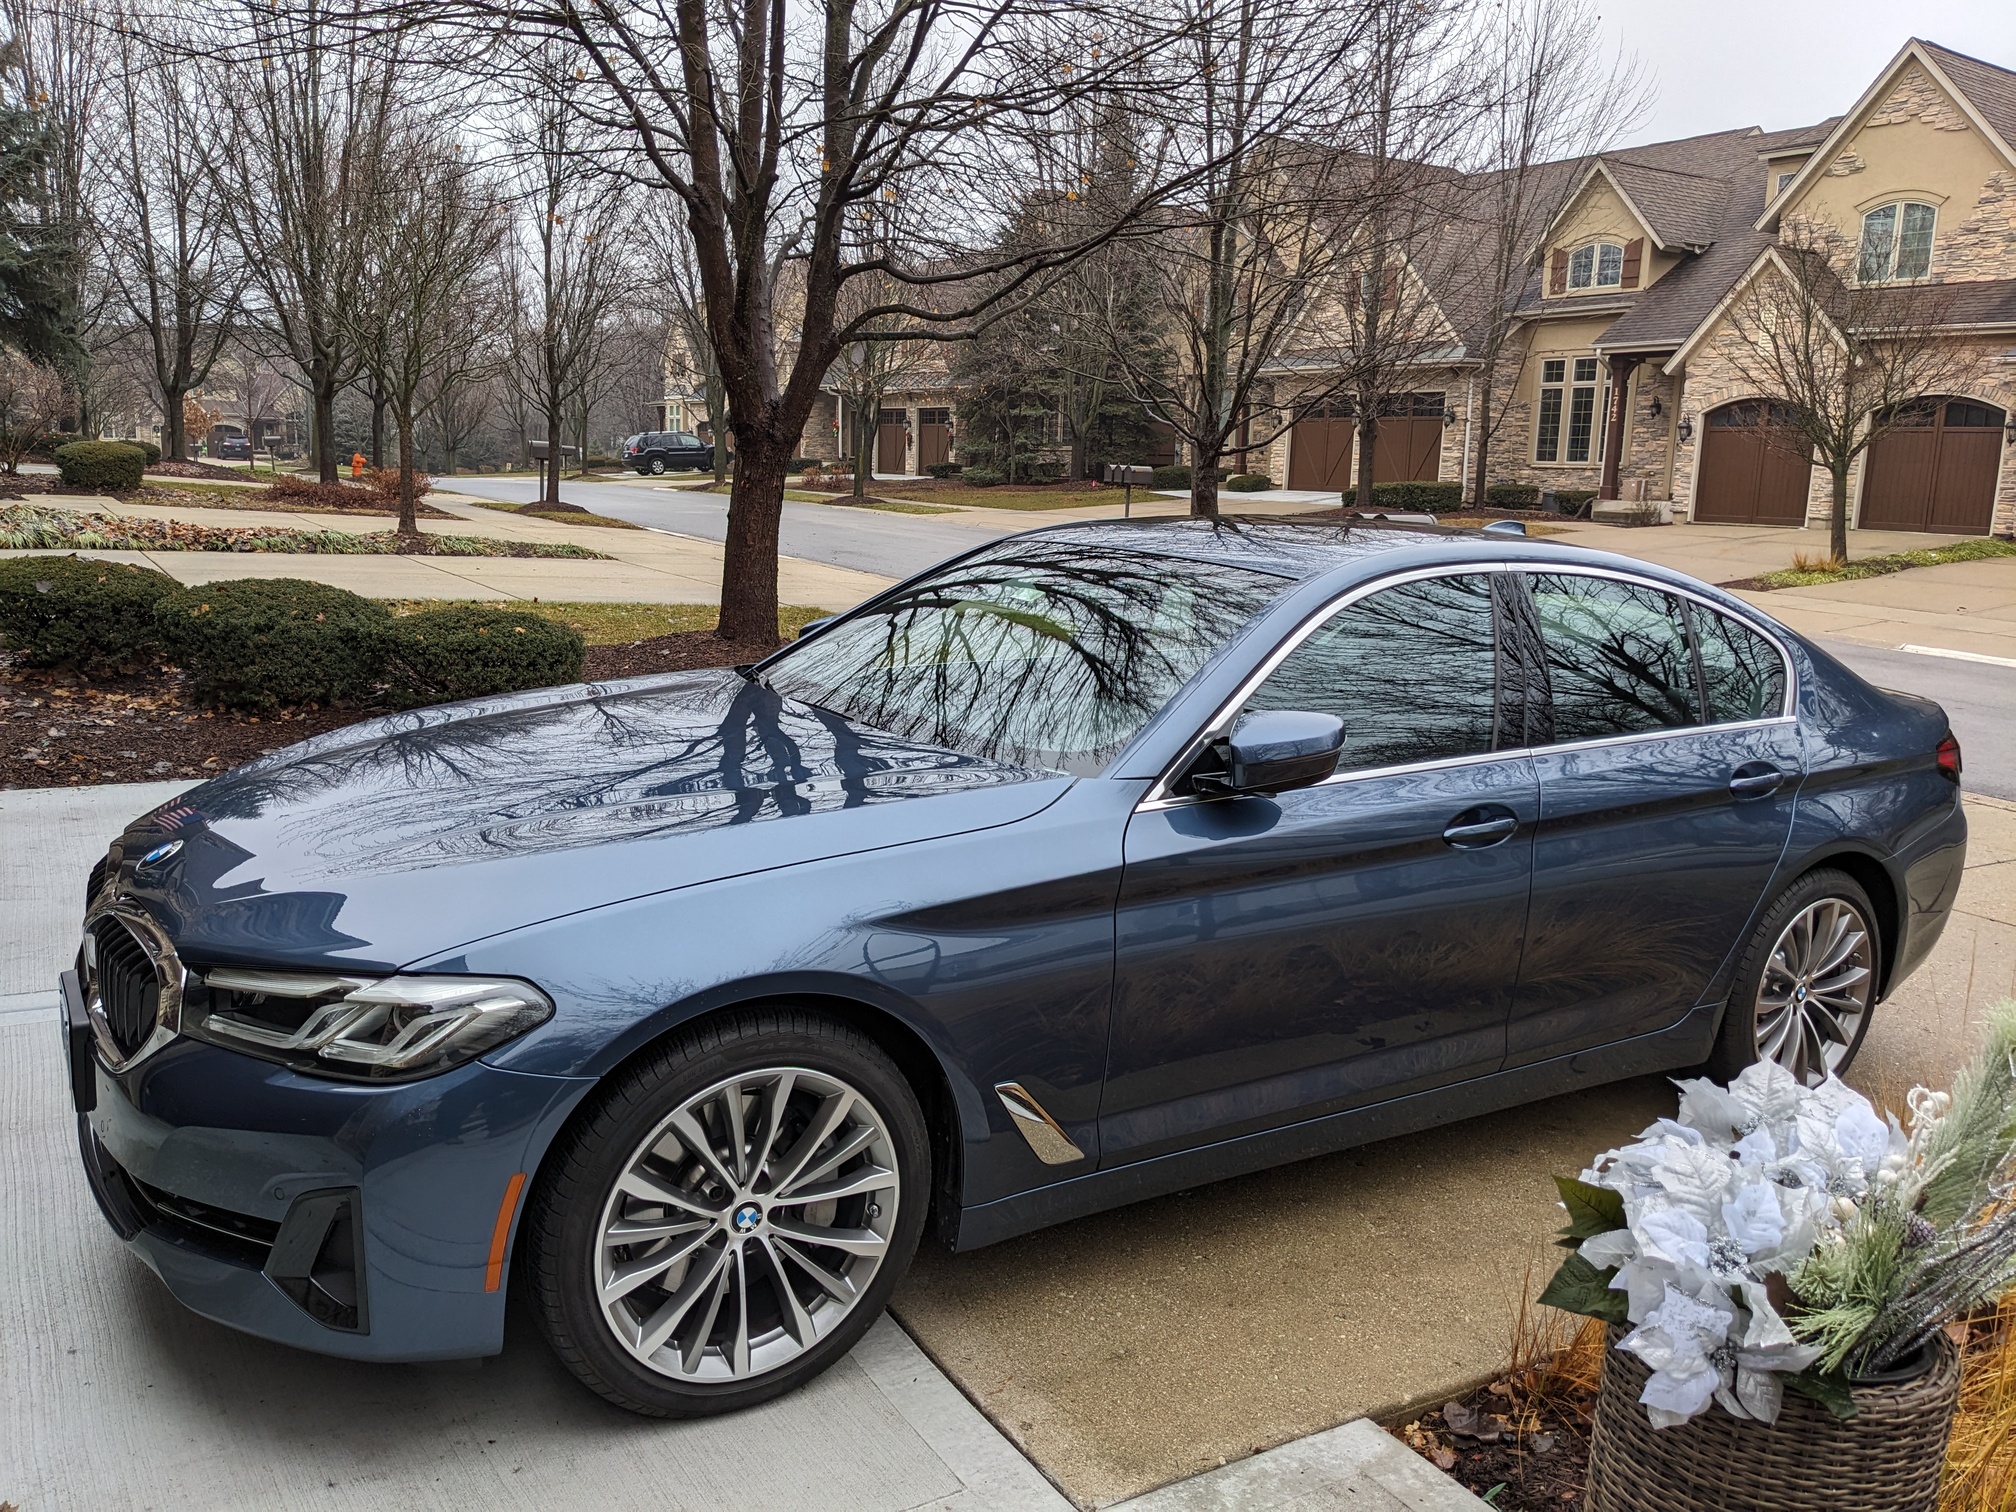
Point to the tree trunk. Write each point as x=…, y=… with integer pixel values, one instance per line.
x=377, y=428
x=1837, y=516
x=549, y=472
x=1480, y=432
x=749, y=562
x=175, y=424
x=1203, y=484
x=865, y=437
x=325, y=426
x=1368, y=446
x=717, y=410
x=1077, y=456
x=409, y=514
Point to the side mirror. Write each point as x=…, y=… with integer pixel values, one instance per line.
x=1273, y=750
x=1506, y=527
x=812, y=627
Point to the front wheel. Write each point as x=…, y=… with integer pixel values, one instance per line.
x=1805, y=986
x=729, y=1218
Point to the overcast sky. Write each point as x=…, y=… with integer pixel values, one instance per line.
x=1714, y=64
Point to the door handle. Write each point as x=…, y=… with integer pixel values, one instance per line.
x=1755, y=779
x=1478, y=833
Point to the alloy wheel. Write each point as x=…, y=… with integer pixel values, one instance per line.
x=747, y=1225
x=1818, y=984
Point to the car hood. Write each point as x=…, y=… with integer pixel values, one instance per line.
x=389, y=841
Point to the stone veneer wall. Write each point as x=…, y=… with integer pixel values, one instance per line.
x=1642, y=473
x=1983, y=245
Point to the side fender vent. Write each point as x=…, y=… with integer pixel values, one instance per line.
x=1045, y=1135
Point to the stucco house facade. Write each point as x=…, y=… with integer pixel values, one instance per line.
x=1620, y=377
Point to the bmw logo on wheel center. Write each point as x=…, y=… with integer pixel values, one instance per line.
x=747, y=1217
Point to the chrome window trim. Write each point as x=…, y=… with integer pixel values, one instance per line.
x=1159, y=797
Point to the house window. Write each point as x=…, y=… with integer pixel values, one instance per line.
x=1784, y=179
x=1580, y=396
x=1597, y=267
x=1896, y=242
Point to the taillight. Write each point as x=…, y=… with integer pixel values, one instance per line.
x=1947, y=754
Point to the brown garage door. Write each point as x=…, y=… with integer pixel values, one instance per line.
x=1319, y=448
x=1409, y=447
x=1752, y=469
x=934, y=437
x=891, y=441
x=1935, y=470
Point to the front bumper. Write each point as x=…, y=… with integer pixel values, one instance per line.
x=348, y=1219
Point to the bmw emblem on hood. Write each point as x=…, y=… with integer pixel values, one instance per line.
x=160, y=853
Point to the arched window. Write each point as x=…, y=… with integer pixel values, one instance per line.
x=1598, y=267
x=1896, y=242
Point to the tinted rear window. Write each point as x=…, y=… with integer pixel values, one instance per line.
x=1617, y=656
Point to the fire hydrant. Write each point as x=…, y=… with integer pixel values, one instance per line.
x=356, y=464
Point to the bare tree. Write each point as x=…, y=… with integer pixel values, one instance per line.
x=571, y=262
x=33, y=397
x=434, y=230
x=1549, y=101
x=1840, y=362
x=1258, y=101
x=310, y=114
x=689, y=350
x=163, y=232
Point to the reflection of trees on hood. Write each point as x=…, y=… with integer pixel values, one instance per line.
x=1050, y=653
x=701, y=753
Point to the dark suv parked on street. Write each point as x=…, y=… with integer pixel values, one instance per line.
x=667, y=451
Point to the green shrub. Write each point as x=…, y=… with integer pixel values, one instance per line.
x=468, y=651
x=116, y=465
x=1575, y=502
x=153, y=452
x=254, y=643
x=1043, y=472
x=803, y=464
x=943, y=469
x=984, y=477
x=1411, y=498
x=1171, y=477
x=97, y=617
x=1512, y=496
x=1248, y=482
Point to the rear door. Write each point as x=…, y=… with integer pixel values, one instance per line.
x=1283, y=958
x=1667, y=768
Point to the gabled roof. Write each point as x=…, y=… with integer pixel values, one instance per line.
x=1985, y=93
x=1683, y=211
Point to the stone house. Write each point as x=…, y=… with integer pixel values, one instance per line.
x=1619, y=377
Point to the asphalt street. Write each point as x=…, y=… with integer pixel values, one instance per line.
x=867, y=540
x=1979, y=697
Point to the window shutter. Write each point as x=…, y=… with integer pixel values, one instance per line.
x=1557, y=272
x=1389, y=290
x=1634, y=253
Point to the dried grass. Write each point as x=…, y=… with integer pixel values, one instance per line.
x=1553, y=1358
x=1981, y=1459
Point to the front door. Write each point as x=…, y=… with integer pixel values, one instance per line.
x=1284, y=958
x=1935, y=469
x=1667, y=781
x=892, y=437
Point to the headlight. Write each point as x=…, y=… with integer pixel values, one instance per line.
x=394, y=1028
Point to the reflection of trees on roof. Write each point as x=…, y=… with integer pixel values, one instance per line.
x=1049, y=652
x=693, y=753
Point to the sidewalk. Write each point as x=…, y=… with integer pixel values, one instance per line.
x=120, y=1397
x=648, y=566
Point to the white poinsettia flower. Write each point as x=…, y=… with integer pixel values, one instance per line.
x=1757, y=1148
x=1754, y=1219
x=1671, y=1233
x=1696, y=1177
x=1680, y=1340
x=1712, y=1110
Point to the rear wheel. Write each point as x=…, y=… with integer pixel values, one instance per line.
x=731, y=1216
x=1805, y=987
x=657, y=465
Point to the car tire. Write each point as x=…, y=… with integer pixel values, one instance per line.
x=657, y=466
x=1796, y=1009
x=738, y=1340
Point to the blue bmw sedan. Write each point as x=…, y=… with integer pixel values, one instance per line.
x=1102, y=861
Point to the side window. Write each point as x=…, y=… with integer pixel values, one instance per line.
x=1617, y=657
x=1410, y=670
x=1744, y=673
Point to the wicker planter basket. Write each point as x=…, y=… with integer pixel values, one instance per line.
x=1886, y=1459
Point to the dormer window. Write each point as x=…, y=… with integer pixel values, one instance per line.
x=1896, y=242
x=1597, y=267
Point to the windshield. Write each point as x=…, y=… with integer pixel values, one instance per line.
x=1043, y=653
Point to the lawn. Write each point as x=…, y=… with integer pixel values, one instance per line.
x=619, y=624
x=557, y=516
x=1805, y=574
x=1037, y=497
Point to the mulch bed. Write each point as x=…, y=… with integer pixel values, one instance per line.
x=41, y=485
x=168, y=468
x=1537, y=1455
x=58, y=731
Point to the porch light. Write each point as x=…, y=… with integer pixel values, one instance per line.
x=1686, y=429
x=1658, y=409
x=1449, y=416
